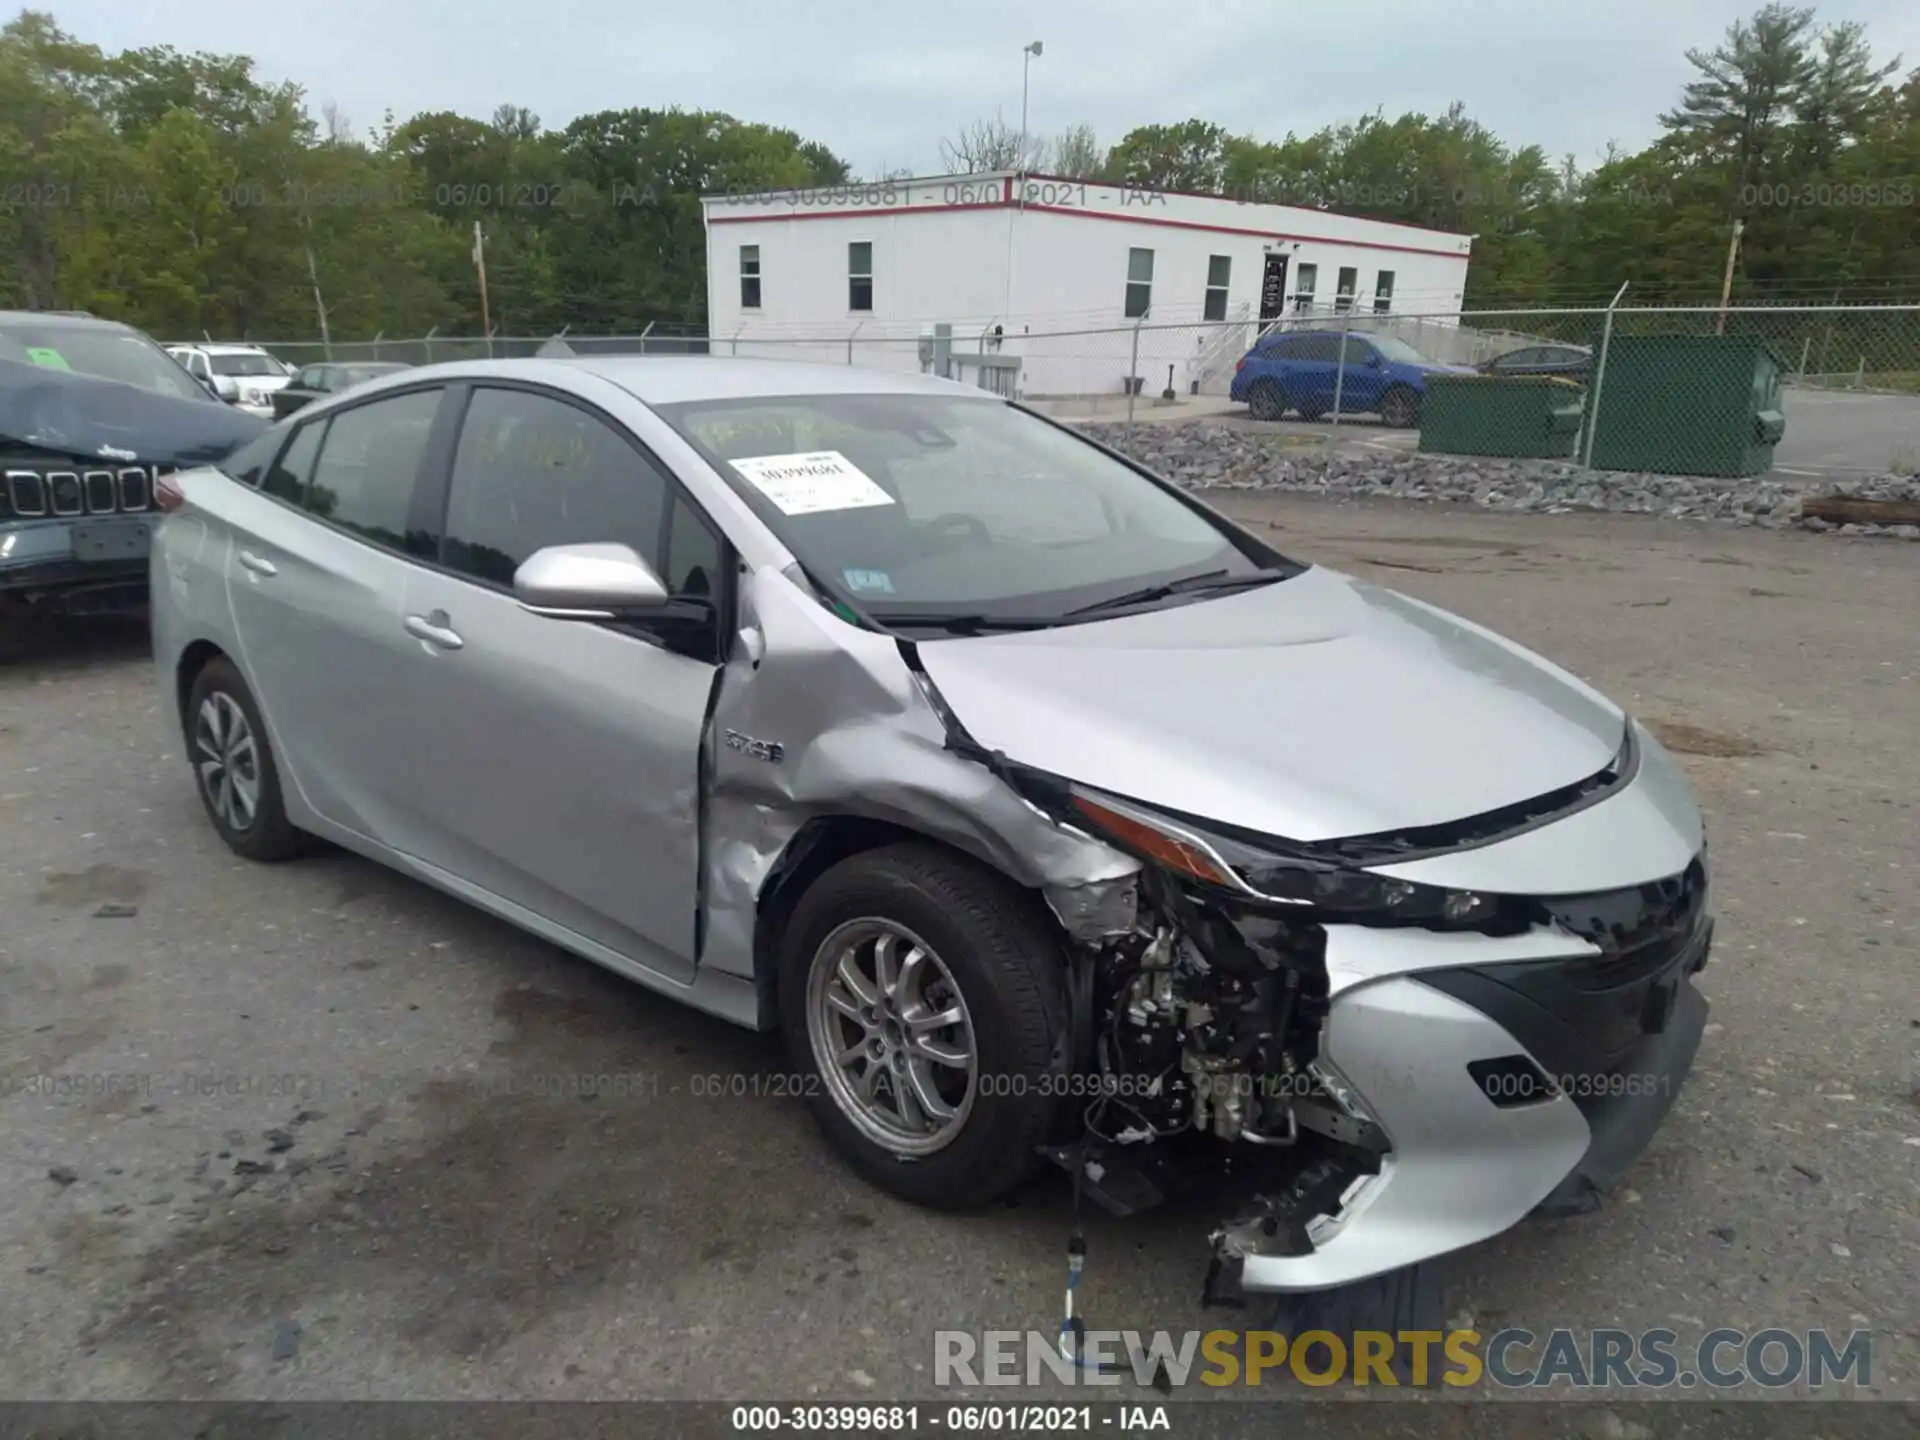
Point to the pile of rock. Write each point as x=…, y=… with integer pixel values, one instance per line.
x=1203, y=455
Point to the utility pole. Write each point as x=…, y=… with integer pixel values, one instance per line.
x=480, y=266
x=1726, y=280
x=313, y=274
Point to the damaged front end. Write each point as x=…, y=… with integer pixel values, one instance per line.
x=1348, y=1042
x=80, y=458
x=1383, y=1068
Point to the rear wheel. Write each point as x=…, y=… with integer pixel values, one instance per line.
x=1266, y=401
x=1400, y=407
x=922, y=996
x=234, y=769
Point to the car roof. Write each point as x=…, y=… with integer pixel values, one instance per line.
x=219, y=349
x=60, y=320
x=676, y=379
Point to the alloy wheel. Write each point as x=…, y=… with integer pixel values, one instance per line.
x=892, y=1036
x=227, y=757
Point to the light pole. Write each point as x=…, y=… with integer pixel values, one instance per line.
x=1027, y=54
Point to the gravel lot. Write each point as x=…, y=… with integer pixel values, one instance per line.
x=333, y=1172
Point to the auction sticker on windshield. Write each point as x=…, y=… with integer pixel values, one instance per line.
x=806, y=484
x=52, y=359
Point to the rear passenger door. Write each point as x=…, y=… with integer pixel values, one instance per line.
x=1310, y=376
x=560, y=760
x=316, y=572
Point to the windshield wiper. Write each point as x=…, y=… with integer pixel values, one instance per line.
x=962, y=624
x=1206, y=580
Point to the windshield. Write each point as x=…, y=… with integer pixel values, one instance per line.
x=921, y=506
x=110, y=352
x=245, y=365
x=1396, y=349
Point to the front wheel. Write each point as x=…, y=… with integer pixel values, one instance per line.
x=922, y=996
x=1400, y=408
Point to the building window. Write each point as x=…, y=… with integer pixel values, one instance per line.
x=860, y=275
x=1139, y=282
x=1219, y=267
x=1383, y=293
x=1305, y=278
x=749, y=277
x=1343, y=291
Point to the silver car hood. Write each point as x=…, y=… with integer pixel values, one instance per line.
x=1312, y=708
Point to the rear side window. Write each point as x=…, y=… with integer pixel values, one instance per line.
x=364, y=479
x=287, y=478
x=532, y=471
x=249, y=463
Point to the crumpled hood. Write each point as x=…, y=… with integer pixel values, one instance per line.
x=96, y=419
x=1311, y=708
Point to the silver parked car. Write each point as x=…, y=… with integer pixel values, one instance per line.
x=1051, y=816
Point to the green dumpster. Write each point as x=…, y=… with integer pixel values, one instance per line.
x=1530, y=415
x=1689, y=405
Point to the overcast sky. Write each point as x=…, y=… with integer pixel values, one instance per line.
x=882, y=83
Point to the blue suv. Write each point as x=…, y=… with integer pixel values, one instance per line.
x=1297, y=369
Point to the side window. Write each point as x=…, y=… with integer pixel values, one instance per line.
x=693, y=554
x=364, y=479
x=287, y=479
x=1318, y=347
x=1359, y=352
x=249, y=463
x=533, y=471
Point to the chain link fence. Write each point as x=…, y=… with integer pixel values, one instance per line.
x=1811, y=391
x=1815, y=391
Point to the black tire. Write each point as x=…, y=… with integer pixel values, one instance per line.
x=267, y=834
x=1400, y=408
x=1411, y=1298
x=1005, y=957
x=1266, y=401
x=1312, y=414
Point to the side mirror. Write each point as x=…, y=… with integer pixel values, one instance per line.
x=586, y=582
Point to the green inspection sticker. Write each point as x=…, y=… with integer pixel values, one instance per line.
x=52, y=359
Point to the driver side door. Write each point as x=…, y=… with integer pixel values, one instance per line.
x=558, y=761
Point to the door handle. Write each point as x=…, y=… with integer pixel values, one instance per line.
x=258, y=564
x=435, y=629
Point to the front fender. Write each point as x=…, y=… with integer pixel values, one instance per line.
x=856, y=736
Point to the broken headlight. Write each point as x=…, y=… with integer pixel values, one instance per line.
x=1321, y=889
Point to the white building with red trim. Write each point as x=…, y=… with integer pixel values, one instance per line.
x=1058, y=273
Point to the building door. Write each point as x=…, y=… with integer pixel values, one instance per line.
x=1273, y=288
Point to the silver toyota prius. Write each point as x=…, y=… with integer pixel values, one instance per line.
x=1054, y=819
